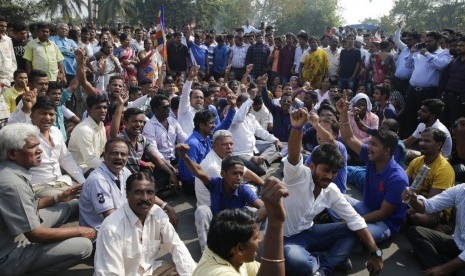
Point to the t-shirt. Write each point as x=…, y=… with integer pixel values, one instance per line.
x=341, y=177
x=446, y=150
x=386, y=185
x=19, y=48
x=441, y=176
x=349, y=59
x=220, y=201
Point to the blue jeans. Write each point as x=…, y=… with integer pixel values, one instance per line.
x=322, y=247
x=379, y=230
x=347, y=83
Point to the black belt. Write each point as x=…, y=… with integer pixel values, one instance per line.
x=418, y=89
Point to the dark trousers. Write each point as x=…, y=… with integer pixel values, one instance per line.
x=433, y=248
x=400, y=85
x=413, y=101
x=238, y=73
x=454, y=108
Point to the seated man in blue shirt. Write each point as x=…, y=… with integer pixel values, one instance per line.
x=382, y=207
x=226, y=192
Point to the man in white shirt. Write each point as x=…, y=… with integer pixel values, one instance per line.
x=244, y=129
x=428, y=116
x=189, y=103
x=310, y=192
x=129, y=240
x=249, y=28
x=333, y=52
x=237, y=55
x=88, y=138
x=47, y=179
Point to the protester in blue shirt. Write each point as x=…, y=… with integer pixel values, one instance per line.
x=220, y=58
x=226, y=192
x=67, y=47
x=382, y=207
x=199, y=52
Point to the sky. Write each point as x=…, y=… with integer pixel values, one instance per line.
x=354, y=11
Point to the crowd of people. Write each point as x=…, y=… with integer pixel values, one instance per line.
x=99, y=127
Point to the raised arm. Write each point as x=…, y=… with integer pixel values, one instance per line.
x=195, y=168
x=116, y=122
x=298, y=120
x=81, y=72
x=272, y=262
x=351, y=141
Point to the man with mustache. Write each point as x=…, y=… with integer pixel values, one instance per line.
x=440, y=177
x=31, y=241
x=129, y=240
x=104, y=189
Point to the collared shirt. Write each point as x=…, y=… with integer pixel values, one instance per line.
x=211, y=165
x=333, y=59
x=245, y=128
x=7, y=60
x=186, y=112
x=220, y=201
x=249, y=29
x=199, y=147
x=220, y=58
x=44, y=56
x=446, y=149
x=452, y=197
x=427, y=69
x=100, y=193
x=87, y=143
x=238, y=55
x=386, y=185
x=258, y=55
x=67, y=47
x=286, y=60
x=298, y=56
x=143, y=147
x=4, y=111
x=10, y=96
x=455, y=81
x=18, y=208
x=302, y=206
x=125, y=246
x=402, y=71
x=54, y=157
x=281, y=120
x=212, y=265
x=165, y=139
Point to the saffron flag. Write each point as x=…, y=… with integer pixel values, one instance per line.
x=160, y=38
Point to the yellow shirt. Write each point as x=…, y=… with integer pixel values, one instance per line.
x=441, y=176
x=213, y=265
x=10, y=98
x=44, y=56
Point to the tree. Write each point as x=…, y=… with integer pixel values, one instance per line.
x=68, y=9
x=120, y=10
x=424, y=15
x=371, y=21
x=23, y=11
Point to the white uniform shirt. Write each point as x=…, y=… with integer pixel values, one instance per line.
x=99, y=194
x=302, y=207
x=126, y=247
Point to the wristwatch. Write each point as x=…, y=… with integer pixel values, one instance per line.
x=378, y=253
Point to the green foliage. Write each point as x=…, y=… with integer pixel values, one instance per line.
x=63, y=9
x=20, y=10
x=425, y=15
